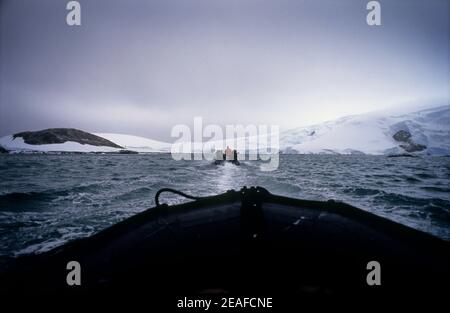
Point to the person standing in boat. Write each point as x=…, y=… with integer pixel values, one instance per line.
x=229, y=155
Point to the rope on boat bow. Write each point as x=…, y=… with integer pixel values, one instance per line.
x=175, y=192
x=249, y=194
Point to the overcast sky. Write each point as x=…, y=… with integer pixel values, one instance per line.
x=140, y=67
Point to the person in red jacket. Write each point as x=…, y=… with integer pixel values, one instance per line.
x=229, y=155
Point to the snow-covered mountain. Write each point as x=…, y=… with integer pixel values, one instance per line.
x=425, y=131
x=422, y=132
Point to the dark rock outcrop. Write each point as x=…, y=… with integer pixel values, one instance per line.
x=3, y=150
x=413, y=147
x=61, y=135
x=402, y=136
x=402, y=155
x=408, y=145
x=128, y=152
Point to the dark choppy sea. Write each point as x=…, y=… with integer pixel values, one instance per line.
x=47, y=200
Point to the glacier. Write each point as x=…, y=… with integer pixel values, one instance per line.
x=373, y=133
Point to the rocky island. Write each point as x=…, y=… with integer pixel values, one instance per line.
x=71, y=140
x=62, y=135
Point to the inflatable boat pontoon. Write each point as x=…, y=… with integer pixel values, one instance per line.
x=247, y=242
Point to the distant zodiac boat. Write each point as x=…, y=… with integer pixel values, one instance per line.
x=228, y=156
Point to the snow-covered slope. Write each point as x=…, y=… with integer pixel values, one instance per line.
x=373, y=134
x=135, y=143
x=422, y=132
x=17, y=144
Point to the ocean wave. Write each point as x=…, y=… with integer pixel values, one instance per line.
x=437, y=212
x=36, y=200
x=395, y=199
x=436, y=189
x=411, y=179
x=132, y=194
x=426, y=175
x=362, y=191
x=14, y=200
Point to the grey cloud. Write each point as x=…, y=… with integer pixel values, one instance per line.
x=141, y=66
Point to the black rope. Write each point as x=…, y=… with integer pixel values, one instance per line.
x=175, y=192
